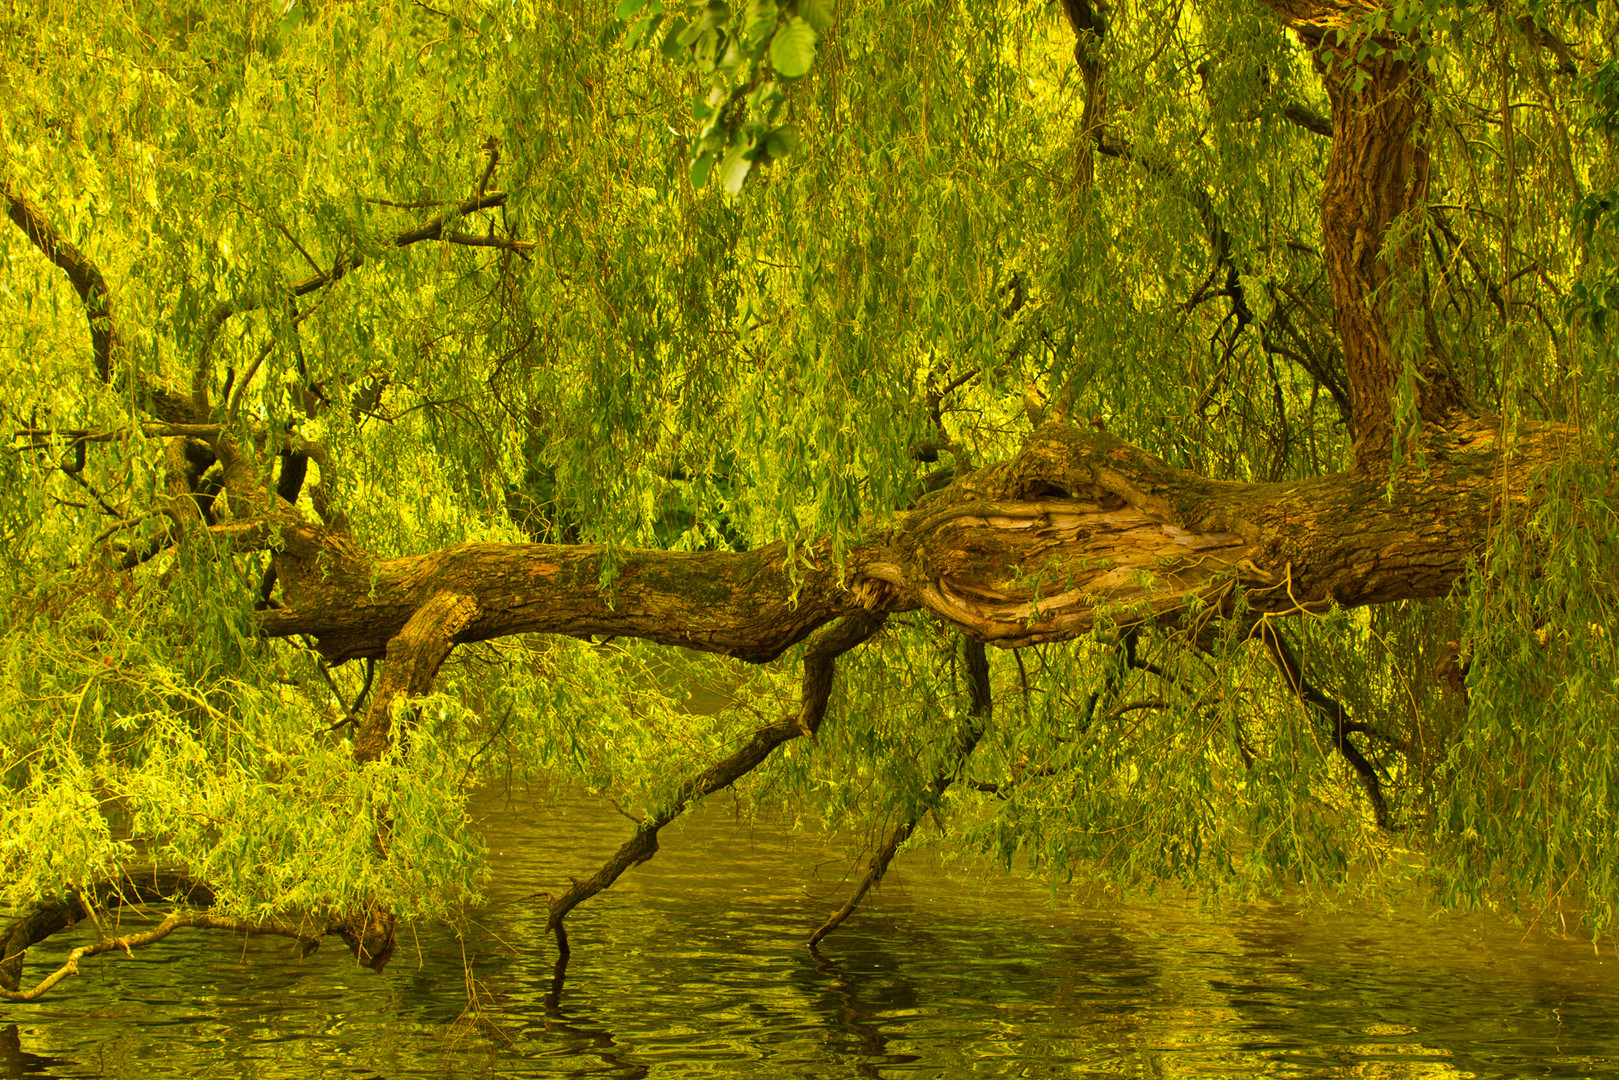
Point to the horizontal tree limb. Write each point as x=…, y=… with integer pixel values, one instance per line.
x=1301, y=115
x=1078, y=528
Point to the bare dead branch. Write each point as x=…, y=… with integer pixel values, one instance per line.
x=129, y=942
x=521, y=247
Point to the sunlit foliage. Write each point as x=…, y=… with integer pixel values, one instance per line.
x=884, y=293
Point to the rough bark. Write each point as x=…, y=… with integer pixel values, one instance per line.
x=1376, y=174
x=738, y=604
x=1079, y=526
x=1082, y=525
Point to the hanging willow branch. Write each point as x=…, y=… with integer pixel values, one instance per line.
x=1292, y=668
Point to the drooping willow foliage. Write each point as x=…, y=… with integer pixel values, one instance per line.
x=941, y=253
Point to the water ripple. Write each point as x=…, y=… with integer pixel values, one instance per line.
x=694, y=966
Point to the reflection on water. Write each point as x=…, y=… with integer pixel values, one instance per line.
x=694, y=965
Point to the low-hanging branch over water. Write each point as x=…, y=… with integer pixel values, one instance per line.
x=402, y=412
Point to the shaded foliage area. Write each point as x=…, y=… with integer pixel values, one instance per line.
x=676, y=400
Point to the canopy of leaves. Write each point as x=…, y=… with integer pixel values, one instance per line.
x=774, y=294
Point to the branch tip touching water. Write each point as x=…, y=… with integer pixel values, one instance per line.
x=819, y=668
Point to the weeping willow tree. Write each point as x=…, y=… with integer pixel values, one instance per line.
x=404, y=397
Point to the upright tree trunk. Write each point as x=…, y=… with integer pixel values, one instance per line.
x=1377, y=173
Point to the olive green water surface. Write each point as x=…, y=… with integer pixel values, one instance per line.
x=694, y=965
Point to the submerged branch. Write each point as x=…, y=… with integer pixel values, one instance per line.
x=130, y=890
x=129, y=942
x=966, y=740
x=819, y=667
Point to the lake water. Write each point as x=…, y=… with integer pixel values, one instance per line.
x=694, y=965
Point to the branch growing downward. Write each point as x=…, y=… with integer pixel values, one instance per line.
x=819, y=667
x=414, y=656
x=86, y=278
x=968, y=733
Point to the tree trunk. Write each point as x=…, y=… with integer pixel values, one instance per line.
x=1377, y=174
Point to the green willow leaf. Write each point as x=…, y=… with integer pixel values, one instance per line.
x=734, y=167
x=792, y=49
x=700, y=168
x=783, y=141
x=820, y=14
x=759, y=23
x=672, y=45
